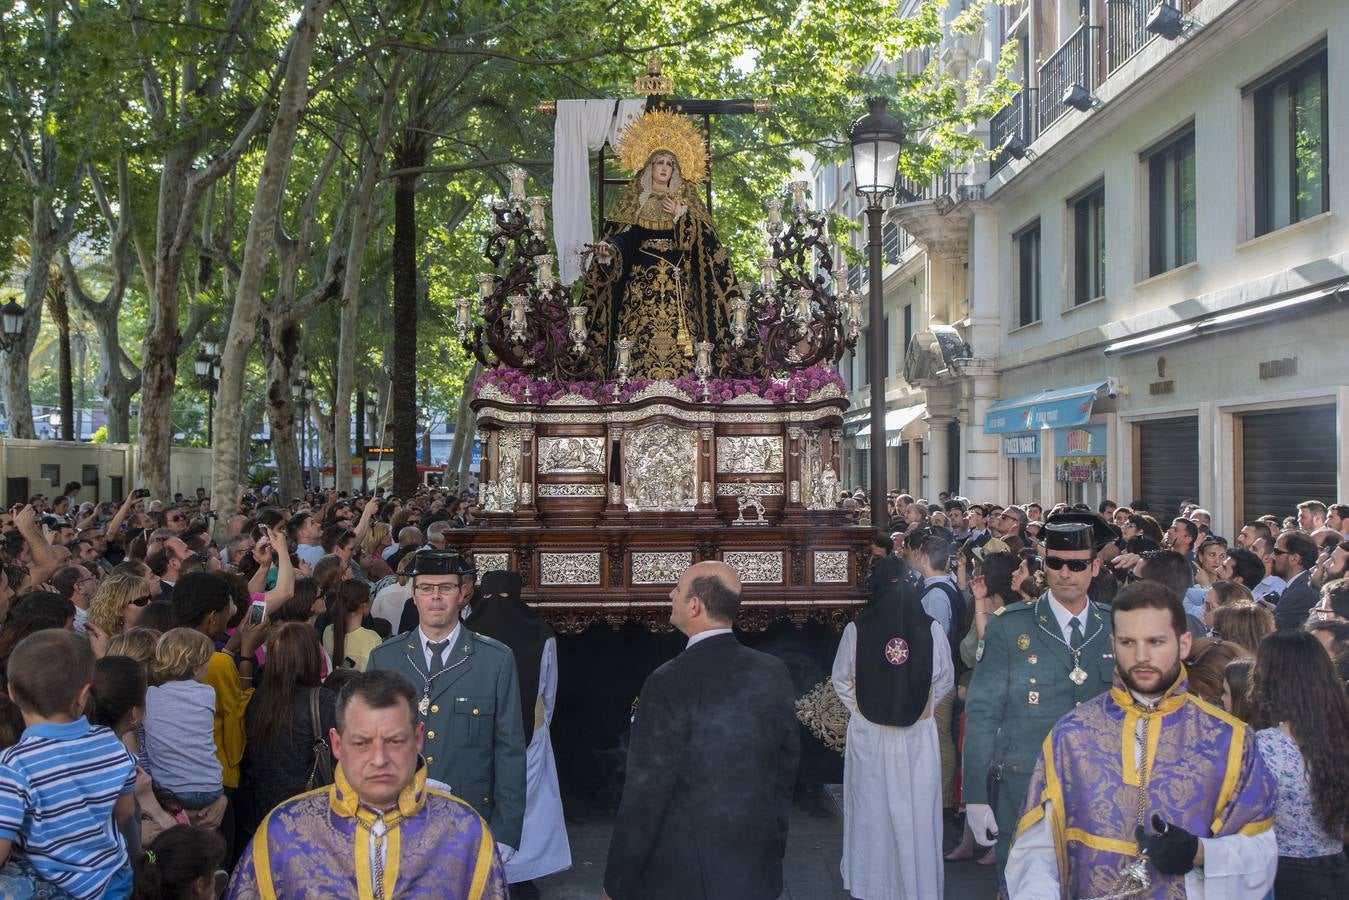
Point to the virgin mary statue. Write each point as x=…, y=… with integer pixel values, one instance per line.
x=660, y=276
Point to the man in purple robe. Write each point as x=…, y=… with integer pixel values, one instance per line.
x=1147, y=791
x=378, y=832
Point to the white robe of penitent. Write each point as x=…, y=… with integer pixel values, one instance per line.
x=892, y=813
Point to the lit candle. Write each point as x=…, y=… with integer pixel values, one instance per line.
x=702, y=366
x=463, y=316
x=545, y=263
x=578, y=327
x=536, y=213
x=739, y=313
x=517, y=303
x=767, y=277
x=774, y=211
x=623, y=356
x=517, y=177
x=803, y=296
x=486, y=285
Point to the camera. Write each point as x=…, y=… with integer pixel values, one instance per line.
x=1112, y=388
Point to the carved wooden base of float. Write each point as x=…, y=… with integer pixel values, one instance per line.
x=577, y=577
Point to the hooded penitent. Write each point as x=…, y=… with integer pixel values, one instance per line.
x=894, y=656
x=499, y=613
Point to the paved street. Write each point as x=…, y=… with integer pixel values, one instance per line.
x=813, y=851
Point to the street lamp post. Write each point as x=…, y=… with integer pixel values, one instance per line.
x=303, y=391
x=11, y=327
x=371, y=410
x=207, y=365
x=876, y=140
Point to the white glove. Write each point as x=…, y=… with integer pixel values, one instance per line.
x=505, y=851
x=982, y=823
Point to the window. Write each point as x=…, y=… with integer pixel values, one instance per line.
x=1291, y=158
x=1171, y=205
x=908, y=333
x=1089, y=245
x=1028, y=274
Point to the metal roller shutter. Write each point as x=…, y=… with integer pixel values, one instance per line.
x=1286, y=457
x=1168, y=464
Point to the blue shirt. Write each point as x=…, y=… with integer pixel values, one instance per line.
x=58, y=787
x=936, y=603
x=1194, y=600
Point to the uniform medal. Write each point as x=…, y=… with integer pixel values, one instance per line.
x=1078, y=675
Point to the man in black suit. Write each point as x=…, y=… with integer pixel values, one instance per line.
x=1294, y=555
x=712, y=762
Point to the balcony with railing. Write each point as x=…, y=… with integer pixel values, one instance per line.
x=1011, y=123
x=1087, y=57
x=1070, y=65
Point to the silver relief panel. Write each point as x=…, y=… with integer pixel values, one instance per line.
x=660, y=463
x=571, y=456
x=659, y=568
x=831, y=566
x=491, y=562
x=755, y=566
x=748, y=489
x=749, y=455
x=569, y=568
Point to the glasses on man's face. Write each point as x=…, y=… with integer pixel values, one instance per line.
x=141, y=601
x=175, y=518
x=1056, y=563
x=435, y=590
x=1278, y=552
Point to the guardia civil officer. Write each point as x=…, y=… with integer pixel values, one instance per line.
x=1036, y=662
x=467, y=695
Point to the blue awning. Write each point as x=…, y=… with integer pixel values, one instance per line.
x=1062, y=408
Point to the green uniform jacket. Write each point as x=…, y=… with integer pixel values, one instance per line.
x=1019, y=689
x=475, y=737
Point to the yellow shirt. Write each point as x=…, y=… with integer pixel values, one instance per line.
x=357, y=649
x=230, y=703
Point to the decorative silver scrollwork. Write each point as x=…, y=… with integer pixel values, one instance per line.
x=571, y=490
x=743, y=489
x=569, y=568
x=831, y=566
x=659, y=568
x=756, y=567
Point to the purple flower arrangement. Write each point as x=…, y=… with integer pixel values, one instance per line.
x=776, y=389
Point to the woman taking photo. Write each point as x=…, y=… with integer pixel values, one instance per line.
x=282, y=734
x=1300, y=707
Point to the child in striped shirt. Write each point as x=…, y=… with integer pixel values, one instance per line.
x=66, y=786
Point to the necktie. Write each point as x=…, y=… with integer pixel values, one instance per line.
x=1075, y=639
x=437, y=655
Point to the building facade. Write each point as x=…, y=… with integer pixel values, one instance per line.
x=1153, y=264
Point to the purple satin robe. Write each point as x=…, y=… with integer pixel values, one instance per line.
x=1204, y=774
x=314, y=845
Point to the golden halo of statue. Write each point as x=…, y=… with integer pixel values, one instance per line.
x=662, y=130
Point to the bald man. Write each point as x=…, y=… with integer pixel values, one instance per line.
x=711, y=763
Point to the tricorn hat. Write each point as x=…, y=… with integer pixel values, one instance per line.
x=1061, y=531
x=440, y=562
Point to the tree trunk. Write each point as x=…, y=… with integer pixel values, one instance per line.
x=43, y=241
x=280, y=352
x=159, y=348
x=258, y=247
x=405, y=331
x=351, y=285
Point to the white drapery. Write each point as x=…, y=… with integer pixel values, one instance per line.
x=582, y=126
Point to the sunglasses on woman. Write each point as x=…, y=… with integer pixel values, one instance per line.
x=1074, y=565
x=141, y=601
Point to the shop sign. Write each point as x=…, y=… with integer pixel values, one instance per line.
x=1080, y=454
x=1016, y=446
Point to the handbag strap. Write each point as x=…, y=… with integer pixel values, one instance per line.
x=322, y=762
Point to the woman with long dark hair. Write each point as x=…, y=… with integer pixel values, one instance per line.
x=1300, y=707
x=347, y=642
x=282, y=739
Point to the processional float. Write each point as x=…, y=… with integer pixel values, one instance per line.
x=657, y=414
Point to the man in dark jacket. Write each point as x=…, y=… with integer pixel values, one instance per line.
x=712, y=762
x=1294, y=555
